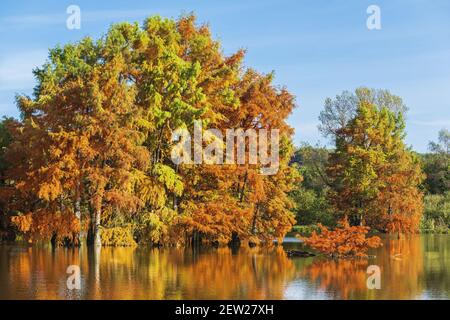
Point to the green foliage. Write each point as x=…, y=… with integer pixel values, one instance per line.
x=310, y=196
x=5, y=140
x=436, y=165
x=168, y=177
x=312, y=207
x=312, y=162
x=436, y=217
x=338, y=112
x=154, y=227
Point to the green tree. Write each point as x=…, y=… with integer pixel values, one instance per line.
x=312, y=163
x=339, y=111
x=5, y=140
x=436, y=165
x=374, y=176
x=436, y=213
x=311, y=194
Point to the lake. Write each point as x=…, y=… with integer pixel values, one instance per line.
x=417, y=267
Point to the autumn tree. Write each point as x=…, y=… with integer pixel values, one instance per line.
x=77, y=142
x=338, y=112
x=374, y=176
x=232, y=201
x=95, y=140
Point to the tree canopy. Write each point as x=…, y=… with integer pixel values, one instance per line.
x=375, y=177
x=92, y=150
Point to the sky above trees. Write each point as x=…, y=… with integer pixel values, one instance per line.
x=317, y=49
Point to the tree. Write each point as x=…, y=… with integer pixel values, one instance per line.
x=94, y=143
x=343, y=241
x=78, y=139
x=231, y=202
x=340, y=111
x=437, y=165
x=312, y=162
x=374, y=176
x=436, y=213
x=311, y=194
x=5, y=140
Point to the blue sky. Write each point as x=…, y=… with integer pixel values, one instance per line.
x=316, y=48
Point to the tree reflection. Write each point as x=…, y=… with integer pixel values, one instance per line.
x=401, y=262
x=411, y=268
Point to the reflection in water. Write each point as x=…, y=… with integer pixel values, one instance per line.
x=401, y=264
x=411, y=268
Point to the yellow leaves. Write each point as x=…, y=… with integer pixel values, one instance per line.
x=23, y=223
x=49, y=191
x=169, y=178
x=117, y=237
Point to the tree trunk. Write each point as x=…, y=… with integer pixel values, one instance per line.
x=96, y=235
x=54, y=240
x=235, y=241
x=242, y=192
x=255, y=217
x=196, y=239
x=93, y=237
x=76, y=235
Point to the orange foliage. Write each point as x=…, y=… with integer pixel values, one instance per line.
x=23, y=223
x=344, y=241
x=342, y=278
x=375, y=178
x=96, y=140
x=43, y=225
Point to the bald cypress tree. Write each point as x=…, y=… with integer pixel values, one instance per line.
x=375, y=177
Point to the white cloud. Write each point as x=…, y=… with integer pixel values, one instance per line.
x=16, y=69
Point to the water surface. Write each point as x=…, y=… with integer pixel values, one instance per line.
x=417, y=267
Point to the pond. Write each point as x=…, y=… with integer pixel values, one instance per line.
x=417, y=267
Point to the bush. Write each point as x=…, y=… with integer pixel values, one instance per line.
x=344, y=241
